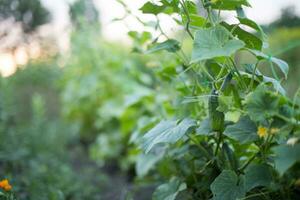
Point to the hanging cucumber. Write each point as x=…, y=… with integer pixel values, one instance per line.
x=226, y=81
x=216, y=117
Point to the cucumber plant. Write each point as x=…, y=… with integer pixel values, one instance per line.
x=234, y=133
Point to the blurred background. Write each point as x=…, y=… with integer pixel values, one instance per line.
x=73, y=94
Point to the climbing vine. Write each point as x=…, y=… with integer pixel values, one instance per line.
x=234, y=132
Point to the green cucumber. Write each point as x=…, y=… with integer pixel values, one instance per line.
x=216, y=117
x=226, y=81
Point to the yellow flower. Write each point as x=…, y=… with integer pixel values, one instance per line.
x=4, y=184
x=262, y=131
x=274, y=130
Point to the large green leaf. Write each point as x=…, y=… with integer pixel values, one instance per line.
x=283, y=66
x=214, y=42
x=261, y=104
x=257, y=175
x=227, y=186
x=166, y=132
x=286, y=156
x=229, y=4
x=251, y=40
x=243, y=131
x=169, y=191
x=168, y=45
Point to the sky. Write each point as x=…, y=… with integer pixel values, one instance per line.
x=262, y=11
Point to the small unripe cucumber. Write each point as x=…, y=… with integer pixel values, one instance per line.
x=216, y=117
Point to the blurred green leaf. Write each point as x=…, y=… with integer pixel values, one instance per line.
x=286, y=156
x=170, y=45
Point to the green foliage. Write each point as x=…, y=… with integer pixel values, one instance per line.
x=34, y=139
x=199, y=123
x=31, y=13
x=232, y=141
x=103, y=92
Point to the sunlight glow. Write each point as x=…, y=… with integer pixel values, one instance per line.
x=7, y=64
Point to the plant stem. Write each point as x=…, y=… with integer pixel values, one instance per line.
x=201, y=148
x=252, y=79
x=238, y=73
x=255, y=195
x=208, y=74
x=240, y=170
x=273, y=70
x=187, y=26
x=220, y=73
x=290, y=121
